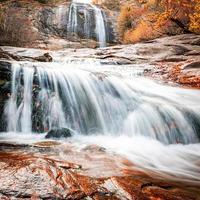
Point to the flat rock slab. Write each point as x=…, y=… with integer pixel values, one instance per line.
x=28, y=172
x=167, y=57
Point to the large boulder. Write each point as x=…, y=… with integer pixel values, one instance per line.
x=59, y=133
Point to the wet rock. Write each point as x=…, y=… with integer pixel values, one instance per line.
x=26, y=173
x=8, y=146
x=94, y=148
x=5, y=87
x=46, y=144
x=5, y=71
x=8, y=56
x=59, y=133
x=44, y=58
x=193, y=65
x=5, y=90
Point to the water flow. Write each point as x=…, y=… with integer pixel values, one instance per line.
x=89, y=102
x=133, y=116
x=88, y=9
x=100, y=26
x=19, y=106
x=73, y=19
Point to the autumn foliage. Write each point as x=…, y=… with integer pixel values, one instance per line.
x=154, y=18
x=195, y=19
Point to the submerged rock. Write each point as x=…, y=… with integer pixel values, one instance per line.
x=59, y=133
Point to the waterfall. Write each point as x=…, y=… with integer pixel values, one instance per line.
x=73, y=19
x=100, y=26
x=74, y=24
x=106, y=105
x=45, y=97
x=19, y=106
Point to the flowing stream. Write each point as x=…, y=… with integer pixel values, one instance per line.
x=155, y=126
x=88, y=11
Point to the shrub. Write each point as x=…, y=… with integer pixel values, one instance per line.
x=153, y=18
x=143, y=31
x=195, y=19
x=128, y=19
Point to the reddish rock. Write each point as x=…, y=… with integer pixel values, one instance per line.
x=40, y=172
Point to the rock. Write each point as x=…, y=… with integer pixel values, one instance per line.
x=5, y=70
x=8, y=56
x=193, y=65
x=59, y=133
x=196, y=42
x=94, y=148
x=180, y=50
x=5, y=90
x=167, y=59
x=46, y=144
x=26, y=172
x=44, y=58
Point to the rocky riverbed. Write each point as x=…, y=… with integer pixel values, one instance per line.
x=53, y=170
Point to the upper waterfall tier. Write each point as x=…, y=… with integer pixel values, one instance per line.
x=82, y=97
x=87, y=20
x=79, y=24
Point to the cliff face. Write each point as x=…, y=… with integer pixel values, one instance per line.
x=38, y=25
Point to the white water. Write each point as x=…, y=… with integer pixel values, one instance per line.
x=175, y=162
x=19, y=117
x=100, y=26
x=155, y=126
x=73, y=21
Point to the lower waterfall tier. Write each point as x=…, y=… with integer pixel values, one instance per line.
x=84, y=98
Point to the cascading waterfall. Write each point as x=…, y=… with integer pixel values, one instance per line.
x=82, y=101
x=131, y=115
x=73, y=19
x=88, y=9
x=87, y=24
x=19, y=116
x=100, y=26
